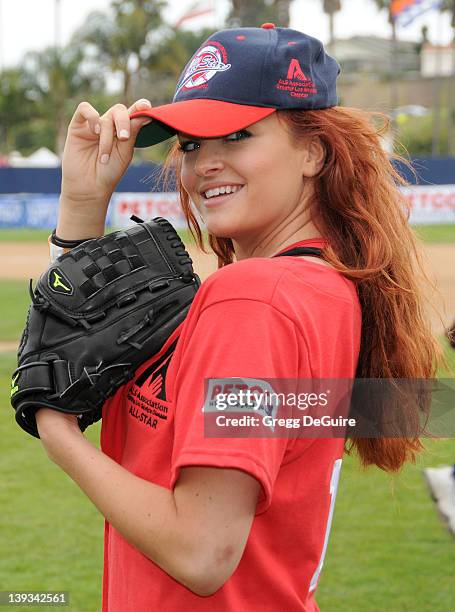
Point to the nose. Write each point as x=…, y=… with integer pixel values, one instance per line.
x=208, y=158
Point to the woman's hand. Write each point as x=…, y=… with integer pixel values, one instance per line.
x=98, y=150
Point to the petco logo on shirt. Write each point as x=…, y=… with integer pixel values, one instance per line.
x=245, y=395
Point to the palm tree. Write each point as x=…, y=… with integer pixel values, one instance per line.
x=123, y=40
x=57, y=81
x=16, y=107
x=330, y=7
x=387, y=4
x=449, y=5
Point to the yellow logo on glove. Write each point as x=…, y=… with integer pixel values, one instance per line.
x=59, y=283
x=14, y=387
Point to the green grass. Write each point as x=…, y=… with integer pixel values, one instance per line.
x=436, y=233
x=450, y=356
x=50, y=534
x=387, y=550
x=428, y=233
x=40, y=235
x=14, y=298
x=24, y=235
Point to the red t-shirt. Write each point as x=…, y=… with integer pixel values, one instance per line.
x=283, y=317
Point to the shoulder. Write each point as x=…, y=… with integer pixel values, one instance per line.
x=255, y=278
x=278, y=282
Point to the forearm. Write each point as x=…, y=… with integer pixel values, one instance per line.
x=77, y=220
x=143, y=512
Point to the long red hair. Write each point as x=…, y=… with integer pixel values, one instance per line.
x=359, y=208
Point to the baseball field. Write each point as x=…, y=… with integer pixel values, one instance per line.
x=387, y=550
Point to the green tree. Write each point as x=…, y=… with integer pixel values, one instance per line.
x=16, y=106
x=254, y=13
x=123, y=40
x=57, y=80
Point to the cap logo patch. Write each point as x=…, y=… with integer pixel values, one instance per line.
x=209, y=60
x=296, y=84
x=59, y=283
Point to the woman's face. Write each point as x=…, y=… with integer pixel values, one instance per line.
x=264, y=168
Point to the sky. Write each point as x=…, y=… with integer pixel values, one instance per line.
x=38, y=30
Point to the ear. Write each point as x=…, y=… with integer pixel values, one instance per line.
x=313, y=157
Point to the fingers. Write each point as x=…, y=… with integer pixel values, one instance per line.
x=86, y=113
x=106, y=139
x=116, y=123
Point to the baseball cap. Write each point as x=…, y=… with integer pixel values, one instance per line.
x=239, y=76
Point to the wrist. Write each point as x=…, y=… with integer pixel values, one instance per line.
x=81, y=219
x=57, y=431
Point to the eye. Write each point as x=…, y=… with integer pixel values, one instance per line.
x=185, y=147
x=240, y=135
x=188, y=145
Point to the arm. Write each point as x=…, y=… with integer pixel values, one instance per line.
x=196, y=533
x=98, y=151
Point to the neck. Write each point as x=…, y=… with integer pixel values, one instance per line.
x=275, y=242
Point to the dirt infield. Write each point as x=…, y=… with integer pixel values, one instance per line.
x=27, y=260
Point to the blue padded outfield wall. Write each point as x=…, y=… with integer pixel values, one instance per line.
x=29, y=196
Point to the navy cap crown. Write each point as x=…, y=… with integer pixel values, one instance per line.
x=267, y=67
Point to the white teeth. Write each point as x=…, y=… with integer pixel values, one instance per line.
x=221, y=190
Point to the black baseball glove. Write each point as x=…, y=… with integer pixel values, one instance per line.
x=97, y=314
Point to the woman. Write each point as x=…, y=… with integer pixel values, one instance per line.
x=242, y=523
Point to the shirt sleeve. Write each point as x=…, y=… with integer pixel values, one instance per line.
x=241, y=338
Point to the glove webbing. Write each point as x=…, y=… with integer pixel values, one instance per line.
x=114, y=255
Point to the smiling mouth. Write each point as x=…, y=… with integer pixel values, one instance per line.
x=220, y=198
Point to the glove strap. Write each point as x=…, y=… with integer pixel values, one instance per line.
x=53, y=377
x=34, y=376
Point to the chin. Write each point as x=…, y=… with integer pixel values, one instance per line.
x=218, y=232
x=220, y=228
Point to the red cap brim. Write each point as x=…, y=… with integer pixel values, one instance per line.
x=201, y=118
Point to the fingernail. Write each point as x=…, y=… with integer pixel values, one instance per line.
x=104, y=158
x=143, y=104
x=124, y=134
x=97, y=128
